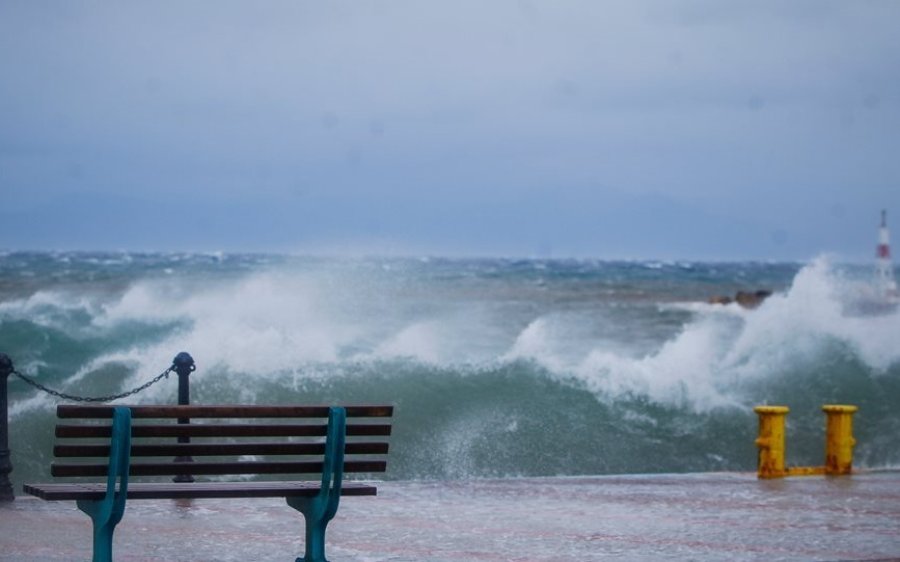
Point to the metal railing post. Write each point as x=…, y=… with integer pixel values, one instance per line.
x=184, y=366
x=6, y=490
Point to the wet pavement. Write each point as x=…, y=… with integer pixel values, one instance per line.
x=643, y=517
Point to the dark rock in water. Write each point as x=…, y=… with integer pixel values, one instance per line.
x=751, y=300
x=747, y=299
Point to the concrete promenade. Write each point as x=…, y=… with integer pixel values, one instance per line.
x=720, y=517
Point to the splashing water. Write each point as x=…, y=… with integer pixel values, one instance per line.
x=497, y=367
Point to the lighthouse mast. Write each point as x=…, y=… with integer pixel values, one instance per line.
x=884, y=270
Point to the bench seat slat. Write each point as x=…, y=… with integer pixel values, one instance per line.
x=219, y=449
x=220, y=430
x=230, y=411
x=214, y=468
x=153, y=490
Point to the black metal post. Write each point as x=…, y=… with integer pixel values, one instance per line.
x=184, y=366
x=6, y=490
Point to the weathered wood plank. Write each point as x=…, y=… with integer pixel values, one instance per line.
x=219, y=449
x=229, y=411
x=153, y=490
x=214, y=468
x=220, y=430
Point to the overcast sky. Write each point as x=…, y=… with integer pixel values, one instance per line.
x=682, y=130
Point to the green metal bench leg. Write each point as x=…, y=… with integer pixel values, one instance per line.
x=311, y=509
x=103, y=529
x=320, y=509
x=106, y=513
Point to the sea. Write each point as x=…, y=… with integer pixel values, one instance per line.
x=497, y=368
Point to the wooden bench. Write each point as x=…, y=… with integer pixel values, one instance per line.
x=264, y=441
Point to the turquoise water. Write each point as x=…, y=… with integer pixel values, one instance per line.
x=497, y=367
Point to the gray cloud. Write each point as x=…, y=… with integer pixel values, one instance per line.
x=369, y=115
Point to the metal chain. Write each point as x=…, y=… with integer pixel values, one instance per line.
x=64, y=396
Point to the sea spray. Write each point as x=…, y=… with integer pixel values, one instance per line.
x=497, y=367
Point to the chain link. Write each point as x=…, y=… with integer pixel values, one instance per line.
x=64, y=396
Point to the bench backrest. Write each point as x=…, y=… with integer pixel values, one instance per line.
x=226, y=440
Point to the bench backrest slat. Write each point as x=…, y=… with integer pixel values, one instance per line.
x=215, y=468
x=232, y=439
x=231, y=411
x=221, y=430
x=219, y=449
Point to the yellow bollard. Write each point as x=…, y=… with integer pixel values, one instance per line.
x=771, y=440
x=839, y=441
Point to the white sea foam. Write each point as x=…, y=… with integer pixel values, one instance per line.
x=681, y=371
x=258, y=325
x=48, y=308
x=535, y=343
x=720, y=347
x=420, y=341
x=811, y=315
x=270, y=324
x=286, y=324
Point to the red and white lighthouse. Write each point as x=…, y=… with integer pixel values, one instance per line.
x=884, y=270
